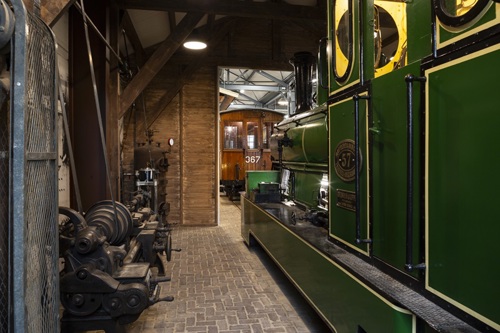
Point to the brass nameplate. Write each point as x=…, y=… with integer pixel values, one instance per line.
x=346, y=200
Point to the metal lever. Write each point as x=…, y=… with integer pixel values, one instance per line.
x=155, y=300
x=159, y=279
x=409, y=194
x=356, y=99
x=166, y=299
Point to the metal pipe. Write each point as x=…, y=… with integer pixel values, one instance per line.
x=356, y=99
x=74, y=176
x=409, y=172
x=99, y=114
x=96, y=30
x=361, y=44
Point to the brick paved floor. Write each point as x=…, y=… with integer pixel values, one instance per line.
x=222, y=286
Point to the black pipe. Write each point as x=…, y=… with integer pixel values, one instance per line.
x=356, y=99
x=409, y=172
x=361, y=44
x=303, y=63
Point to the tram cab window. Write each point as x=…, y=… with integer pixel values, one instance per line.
x=457, y=15
x=389, y=36
x=233, y=131
x=267, y=131
x=343, y=40
x=458, y=7
x=252, y=135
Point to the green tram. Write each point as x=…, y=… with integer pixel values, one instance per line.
x=385, y=220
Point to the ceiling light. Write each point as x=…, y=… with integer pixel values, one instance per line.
x=195, y=45
x=195, y=41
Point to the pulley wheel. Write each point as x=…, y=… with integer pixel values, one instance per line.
x=102, y=214
x=73, y=217
x=81, y=304
x=168, y=247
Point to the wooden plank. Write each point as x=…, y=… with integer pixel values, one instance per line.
x=269, y=10
x=158, y=60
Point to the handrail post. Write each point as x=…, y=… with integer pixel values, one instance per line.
x=409, y=172
x=356, y=99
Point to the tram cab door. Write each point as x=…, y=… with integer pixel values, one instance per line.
x=252, y=153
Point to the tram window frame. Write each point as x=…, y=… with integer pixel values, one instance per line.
x=462, y=21
x=239, y=134
x=267, y=131
x=256, y=135
x=396, y=11
x=341, y=79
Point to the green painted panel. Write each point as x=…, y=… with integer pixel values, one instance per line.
x=307, y=186
x=341, y=128
x=389, y=168
x=463, y=182
x=254, y=177
x=419, y=33
x=316, y=141
x=445, y=35
x=343, y=301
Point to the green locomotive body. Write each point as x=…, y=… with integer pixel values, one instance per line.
x=408, y=242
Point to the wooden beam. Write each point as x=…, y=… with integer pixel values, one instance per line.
x=171, y=20
x=187, y=73
x=269, y=10
x=158, y=60
x=226, y=102
x=313, y=29
x=238, y=62
x=51, y=10
x=127, y=25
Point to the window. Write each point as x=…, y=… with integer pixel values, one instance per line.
x=343, y=40
x=389, y=33
x=459, y=13
x=267, y=131
x=233, y=135
x=252, y=135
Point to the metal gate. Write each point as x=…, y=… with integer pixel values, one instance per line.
x=28, y=183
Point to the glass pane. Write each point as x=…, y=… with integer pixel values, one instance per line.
x=458, y=7
x=233, y=135
x=389, y=36
x=267, y=131
x=342, y=38
x=252, y=135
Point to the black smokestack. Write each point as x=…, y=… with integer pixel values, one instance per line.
x=303, y=64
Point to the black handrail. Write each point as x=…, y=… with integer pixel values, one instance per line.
x=323, y=45
x=409, y=174
x=356, y=99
